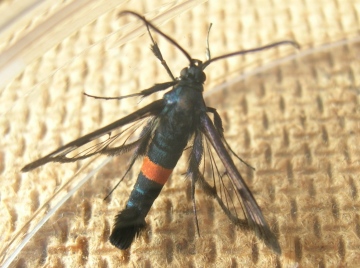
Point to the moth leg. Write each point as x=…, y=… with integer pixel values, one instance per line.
x=217, y=120
x=219, y=127
x=194, y=205
x=156, y=50
x=139, y=152
x=193, y=170
x=142, y=93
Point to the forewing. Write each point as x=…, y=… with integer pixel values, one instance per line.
x=111, y=139
x=228, y=186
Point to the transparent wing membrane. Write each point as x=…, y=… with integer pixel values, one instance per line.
x=216, y=182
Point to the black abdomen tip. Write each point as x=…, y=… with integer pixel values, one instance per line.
x=128, y=224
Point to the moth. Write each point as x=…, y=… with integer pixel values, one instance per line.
x=180, y=120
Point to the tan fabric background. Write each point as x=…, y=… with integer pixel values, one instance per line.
x=297, y=122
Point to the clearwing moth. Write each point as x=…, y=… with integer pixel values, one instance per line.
x=178, y=120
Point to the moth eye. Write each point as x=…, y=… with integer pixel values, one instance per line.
x=184, y=72
x=202, y=77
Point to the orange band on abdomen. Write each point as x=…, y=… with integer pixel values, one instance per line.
x=155, y=172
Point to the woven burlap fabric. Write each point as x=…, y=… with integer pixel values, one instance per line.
x=297, y=122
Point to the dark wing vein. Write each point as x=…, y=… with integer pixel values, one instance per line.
x=60, y=155
x=250, y=207
x=221, y=187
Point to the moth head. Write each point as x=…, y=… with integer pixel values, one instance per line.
x=194, y=72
